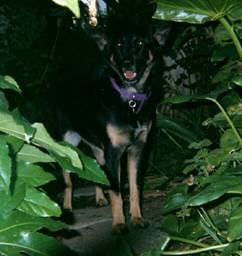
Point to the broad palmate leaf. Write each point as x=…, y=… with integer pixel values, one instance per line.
x=197, y=11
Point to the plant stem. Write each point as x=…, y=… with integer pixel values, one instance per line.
x=233, y=35
x=187, y=241
x=195, y=251
x=227, y=118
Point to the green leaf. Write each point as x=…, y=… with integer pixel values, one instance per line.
x=33, y=175
x=37, y=203
x=3, y=102
x=195, y=11
x=176, y=199
x=231, y=249
x=178, y=99
x=229, y=141
x=71, y=4
x=14, y=143
x=18, y=236
x=175, y=128
x=235, y=225
x=7, y=82
x=13, y=124
x=32, y=154
x=201, y=144
x=11, y=201
x=169, y=224
x=216, y=156
x=5, y=165
x=65, y=155
x=92, y=170
x=215, y=190
x=238, y=80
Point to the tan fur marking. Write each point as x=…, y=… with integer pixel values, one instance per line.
x=100, y=197
x=117, y=208
x=133, y=188
x=144, y=134
x=117, y=136
x=67, y=204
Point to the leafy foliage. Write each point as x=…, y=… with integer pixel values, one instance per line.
x=203, y=214
x=25, y=207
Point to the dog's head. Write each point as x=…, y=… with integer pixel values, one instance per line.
x=129, y=41
x=131, y=57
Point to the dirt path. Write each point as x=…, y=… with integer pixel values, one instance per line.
x=94, y=226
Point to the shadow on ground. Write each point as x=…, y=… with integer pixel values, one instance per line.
x=94, y=227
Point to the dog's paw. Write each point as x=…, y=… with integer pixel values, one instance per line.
x=139, y=222
x=102, y=202
x=119, y=229
x=67, y=216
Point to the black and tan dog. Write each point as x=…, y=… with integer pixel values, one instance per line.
x=113, y=112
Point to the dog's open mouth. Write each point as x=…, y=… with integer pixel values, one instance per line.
x=130, y=75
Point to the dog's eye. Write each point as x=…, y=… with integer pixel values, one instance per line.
x=119, y=44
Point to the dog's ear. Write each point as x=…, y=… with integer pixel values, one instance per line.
x=161, y=32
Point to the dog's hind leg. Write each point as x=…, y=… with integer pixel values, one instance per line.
x=100, y=197
x=74, y=139
x=67, y=203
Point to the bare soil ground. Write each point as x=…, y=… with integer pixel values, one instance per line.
x=94, y=227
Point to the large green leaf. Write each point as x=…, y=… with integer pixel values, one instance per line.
x=13, y=200
x=13, y=124
x=65, y=155
x=18, y=235
x=71, y=4
x=5, y=165
x=235, y=225
x=7, y=82
x=3, y=101
x=32, y=154
x=219, y=186
x=33, y=175
x=37, y=203
x=197, y=11
x=92, y=170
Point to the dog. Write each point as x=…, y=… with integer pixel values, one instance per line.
x=117, y=106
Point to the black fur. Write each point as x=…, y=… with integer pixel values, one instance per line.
x=87, y=105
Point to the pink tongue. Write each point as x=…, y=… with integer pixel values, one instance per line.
x=129, y=74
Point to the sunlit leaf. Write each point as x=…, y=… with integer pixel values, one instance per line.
x=196, y=11
x=31, y=154
x=37, y=203
x=12, y=200
x=13, y=124
x=7, y=82
x=70, y=4
x=19, y=236
x=33, y=175
x=5, y=165
x=66, y=156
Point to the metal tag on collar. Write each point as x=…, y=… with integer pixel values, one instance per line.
x=132, y=104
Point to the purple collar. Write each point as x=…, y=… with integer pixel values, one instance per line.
x=131, y=97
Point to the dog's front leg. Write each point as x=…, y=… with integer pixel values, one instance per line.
x=136, y=154
x=134, y=191
x=113, y=156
